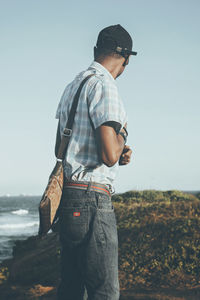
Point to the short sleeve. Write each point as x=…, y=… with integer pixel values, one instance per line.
x=105, y=104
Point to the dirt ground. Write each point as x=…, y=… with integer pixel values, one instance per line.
x=49, y=293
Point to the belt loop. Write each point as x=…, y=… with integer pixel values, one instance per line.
x=89, y=187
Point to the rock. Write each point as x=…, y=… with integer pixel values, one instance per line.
x=35, y=261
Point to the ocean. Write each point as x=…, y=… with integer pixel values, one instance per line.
x=19, y=219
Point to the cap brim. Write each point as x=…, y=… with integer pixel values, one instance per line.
x=132, y=52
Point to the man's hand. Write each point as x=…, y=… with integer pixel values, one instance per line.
x=125, y=158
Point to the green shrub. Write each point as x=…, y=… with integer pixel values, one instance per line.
x=159, y=238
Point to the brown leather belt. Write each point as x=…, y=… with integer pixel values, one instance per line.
x=89, y=186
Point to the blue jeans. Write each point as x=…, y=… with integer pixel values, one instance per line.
x=89, y=252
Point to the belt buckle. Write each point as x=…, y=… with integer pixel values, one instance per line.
x=111, y=189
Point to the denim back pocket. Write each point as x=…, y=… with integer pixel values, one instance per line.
x=106, y=226
x=73, y=224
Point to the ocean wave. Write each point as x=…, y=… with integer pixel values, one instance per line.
x=19, y=225
x=20, y=212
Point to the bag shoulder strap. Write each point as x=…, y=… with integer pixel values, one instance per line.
x=68, y=129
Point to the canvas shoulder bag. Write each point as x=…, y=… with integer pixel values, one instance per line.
x=49, y=203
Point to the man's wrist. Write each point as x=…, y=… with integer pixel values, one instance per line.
x=123, y=134
x=126, y=132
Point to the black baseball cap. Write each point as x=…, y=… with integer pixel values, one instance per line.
x=115, y=38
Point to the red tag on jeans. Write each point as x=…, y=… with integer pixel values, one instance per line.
x=76, y=213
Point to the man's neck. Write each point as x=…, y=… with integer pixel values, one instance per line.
x=112, y=65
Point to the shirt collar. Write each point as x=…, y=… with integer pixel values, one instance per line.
x=97, y=66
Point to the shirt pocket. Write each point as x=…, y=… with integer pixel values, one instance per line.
x=73, y=225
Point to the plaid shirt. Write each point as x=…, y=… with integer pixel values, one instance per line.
x=99, y=98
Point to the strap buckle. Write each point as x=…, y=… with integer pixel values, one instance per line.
x=67, y=132
x=59, y=160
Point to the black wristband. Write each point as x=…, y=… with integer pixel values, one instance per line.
x=125, y=131
x=124, y=136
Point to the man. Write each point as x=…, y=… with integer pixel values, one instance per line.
x=88, y=231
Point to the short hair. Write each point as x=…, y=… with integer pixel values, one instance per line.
x=102, y=52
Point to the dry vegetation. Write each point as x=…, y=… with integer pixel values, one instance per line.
x=159, y=238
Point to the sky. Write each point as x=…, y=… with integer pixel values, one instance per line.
x=44, y=44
